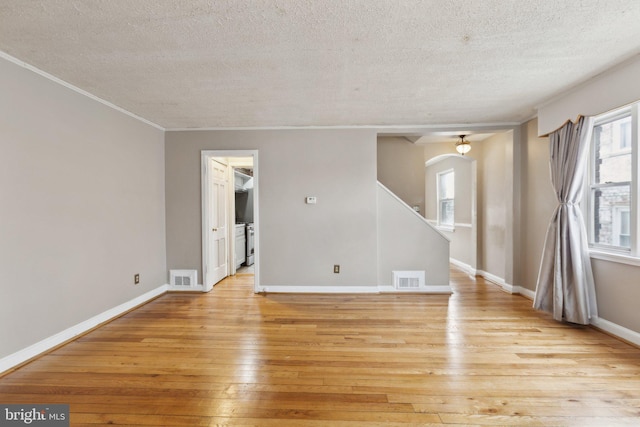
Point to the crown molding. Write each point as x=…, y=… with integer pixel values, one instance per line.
x=76, y=89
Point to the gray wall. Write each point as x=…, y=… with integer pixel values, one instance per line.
x=401, y=169
x=618, y=293
x=617, y=287
x=82, y=192
x=538, y=201
x=299, y=243
x=462, y=239
x=81, y=208
x=493, y=204
x=408, y=242
x=611, y=89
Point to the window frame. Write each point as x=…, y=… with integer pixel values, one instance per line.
x=440, y=200
x=608, y=252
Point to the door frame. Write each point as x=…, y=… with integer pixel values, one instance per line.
x=205, y=157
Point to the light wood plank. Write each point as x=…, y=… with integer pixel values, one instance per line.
x=230, y=357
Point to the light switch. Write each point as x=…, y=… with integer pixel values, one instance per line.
x=311, y=200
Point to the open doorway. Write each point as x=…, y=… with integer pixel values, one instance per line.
x=451, y=205
x=230, y=215
x=242, y=206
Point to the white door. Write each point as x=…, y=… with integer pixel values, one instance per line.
x=218, y=257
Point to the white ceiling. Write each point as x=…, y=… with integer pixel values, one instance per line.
x=273, y=63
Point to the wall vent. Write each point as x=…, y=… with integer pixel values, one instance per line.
x=183, y=278
x=408, y=280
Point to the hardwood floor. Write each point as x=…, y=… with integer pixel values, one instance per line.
x=229, y=357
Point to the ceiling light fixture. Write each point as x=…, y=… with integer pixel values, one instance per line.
x=462, y=146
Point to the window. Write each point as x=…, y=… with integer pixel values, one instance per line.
x=625, y=134
x=613, y=191
x=622, y=228
x=446, y=195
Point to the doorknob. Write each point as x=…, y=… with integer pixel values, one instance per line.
x=214, y=229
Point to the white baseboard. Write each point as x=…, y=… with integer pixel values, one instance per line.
x=507, y=287
x=195, y=288
x=463, y=266
x=616, y=330
x=446, y=289
x=527, y=293
x=47, y=344
x=607, y=326
x=434, y=289
x=495, y=279
x=278, y=289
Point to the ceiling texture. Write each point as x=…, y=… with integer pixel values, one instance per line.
x=306, y=63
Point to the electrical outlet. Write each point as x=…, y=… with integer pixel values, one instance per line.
x=136, y=279
x=336, y=268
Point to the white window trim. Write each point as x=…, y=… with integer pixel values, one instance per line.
x=601, y=252
x=439, y=225
x=614, y=257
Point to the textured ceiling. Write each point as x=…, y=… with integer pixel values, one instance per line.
x=271, y=63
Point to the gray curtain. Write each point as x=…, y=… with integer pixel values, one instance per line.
x=565, y=282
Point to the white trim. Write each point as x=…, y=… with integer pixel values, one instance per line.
x=616, y=330
x=613, y=115
x=600, y=323
x=496, y=280
x=455, y=225
x=492, y=278
x=320, y=289
x=507, y=287
x=381, y=129
x=376, y=128
x=613, y=257
x=439, y=199
x=429, y=289
x=416, y=214
x=47, y=344
x=527, y=293
x=205, y=155
x=463, y=266
x=196, y=288
x=191, y=273
x=76, y=89
x=446, y=289
x=204, y=201
x=635, y=184
x=614, y=253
